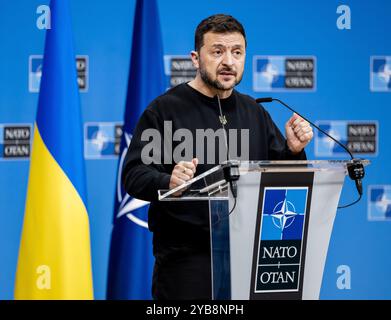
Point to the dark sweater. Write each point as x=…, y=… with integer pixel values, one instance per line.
x=187, y=223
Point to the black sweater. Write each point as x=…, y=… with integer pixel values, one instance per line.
x=179, y=223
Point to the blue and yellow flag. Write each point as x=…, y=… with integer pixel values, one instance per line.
x=54, y=257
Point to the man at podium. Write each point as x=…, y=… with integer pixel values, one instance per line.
x=207, y=105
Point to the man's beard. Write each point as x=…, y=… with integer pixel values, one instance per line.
x=207, y=78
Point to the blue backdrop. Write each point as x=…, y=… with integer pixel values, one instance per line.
x=349, y=91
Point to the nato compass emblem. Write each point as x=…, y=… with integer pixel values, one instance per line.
x=379, y=203
x=35, y=72
x=102, y=140
x=284, y=214
x=134, y=209
x=324, y=146
x=381, y=73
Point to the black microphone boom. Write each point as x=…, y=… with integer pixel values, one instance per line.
x=355, y=168
x=260, y=100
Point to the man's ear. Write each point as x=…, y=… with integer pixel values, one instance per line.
x=195, y=59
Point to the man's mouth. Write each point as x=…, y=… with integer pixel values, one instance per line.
x=227, y=73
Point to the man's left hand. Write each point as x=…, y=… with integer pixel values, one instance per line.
x=298, y=133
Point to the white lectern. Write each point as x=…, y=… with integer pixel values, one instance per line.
x=271, y=241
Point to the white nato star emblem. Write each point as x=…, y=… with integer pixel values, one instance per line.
x=99, y=140
x=386, y=73
x=329, y=143
x=269, y=73
x=127, y=203
x=383, y=203
x=282, y=216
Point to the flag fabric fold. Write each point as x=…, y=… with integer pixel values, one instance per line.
x=54, y=257
x=131, y=260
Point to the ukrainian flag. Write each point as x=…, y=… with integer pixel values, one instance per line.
x=54, y=257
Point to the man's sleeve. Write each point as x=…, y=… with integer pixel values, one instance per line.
x=278, y=147
x=140, y=179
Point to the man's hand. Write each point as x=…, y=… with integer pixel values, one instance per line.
x=298, y=133
x=181, y=173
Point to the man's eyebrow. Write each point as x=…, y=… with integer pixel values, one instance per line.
x=217, y=45
x=236, y=46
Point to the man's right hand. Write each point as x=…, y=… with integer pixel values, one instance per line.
x=181, y=173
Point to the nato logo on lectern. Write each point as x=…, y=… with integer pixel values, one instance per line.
x=380, y=73
x=280, y=246
x=284, y=73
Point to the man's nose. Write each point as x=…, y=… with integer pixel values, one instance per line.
x=228, y=59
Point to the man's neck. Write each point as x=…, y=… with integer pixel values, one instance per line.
x=199, y=85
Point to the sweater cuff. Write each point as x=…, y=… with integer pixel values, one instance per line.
x=294, y=156
x=164, y=181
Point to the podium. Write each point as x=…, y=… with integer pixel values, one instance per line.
x=271, y=241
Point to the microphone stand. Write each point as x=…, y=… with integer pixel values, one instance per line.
x=355, y=168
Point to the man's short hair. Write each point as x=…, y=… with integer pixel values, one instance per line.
x=219, y=23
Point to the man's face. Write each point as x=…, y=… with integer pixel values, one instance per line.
x=221, y=59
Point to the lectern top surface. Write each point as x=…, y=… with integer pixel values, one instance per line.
x=267, y=166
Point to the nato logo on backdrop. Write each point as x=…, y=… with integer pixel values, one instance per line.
x=360, y=137
x=379, y=203
x=102, y=140
x=380, y=73
x=178, y=69
x=281, y=239
x=35, y=72
x=15, y=141
x=284, y=73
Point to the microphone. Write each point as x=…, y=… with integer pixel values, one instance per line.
x=355, y=168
